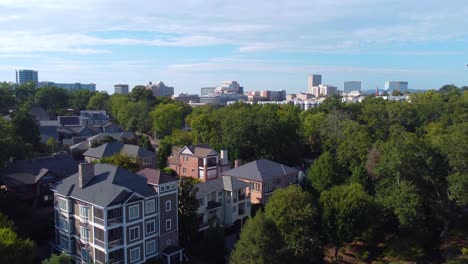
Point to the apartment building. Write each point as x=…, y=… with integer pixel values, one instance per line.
x=264, y=176
x=224, y=201
x=106, y=214
x=200, y=162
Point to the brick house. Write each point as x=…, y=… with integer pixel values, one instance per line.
x=106, y=214
x=264, y=176
x=199, y=162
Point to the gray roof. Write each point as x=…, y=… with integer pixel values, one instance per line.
x=156, y=177
x=112, y=148
x=260, y=170
x=232, y=184
x=61, y=165
x=201, y=151
x=110, y=185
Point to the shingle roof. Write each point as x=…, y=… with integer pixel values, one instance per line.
x=210, y=186
x=260, y=170
x=112, y=148
x=156, y=177
x=202, y=150
x=61, y=165
x=110, y=185
x=233, y=184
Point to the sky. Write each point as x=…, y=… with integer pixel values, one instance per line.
x=262, y=44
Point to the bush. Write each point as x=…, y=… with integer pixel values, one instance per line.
x=464, y=251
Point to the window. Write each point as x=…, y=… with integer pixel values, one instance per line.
x=201, y=201
x=134, y=233
x=168, y=224
x=63, y=204
x=150, y=206
x=84, y=233
x=146, y=162
x=162, y=188
x=150, y=247
x=84, y=212
x=134, y=212
x=233, y=209
x=168, y=206
x=220, y=193
x=63, y=224
x=64, y=244
x=135, y=255
x=184, y=170
x=85, y=255
x=193, y=170
x=150, y=227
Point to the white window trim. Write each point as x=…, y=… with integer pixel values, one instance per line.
x=89, y=255
x=170, y=205
x=170, y=224
x=139, y=255
x=84, y=238
x=146, y=247
x=65, y=226
x=146, y=227
x=130, y=233
x=82, y=209
x=130, y=210
x=148, y=207
x=66, y=204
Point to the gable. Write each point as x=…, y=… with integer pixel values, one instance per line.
x=186, y=151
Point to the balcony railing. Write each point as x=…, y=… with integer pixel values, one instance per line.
x=98, y=221
x=99, y=242
x=114, y=221
x=115, y=243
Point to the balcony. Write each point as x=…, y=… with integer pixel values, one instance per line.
x=115, y=243
x=213, y=205
x=114, y=221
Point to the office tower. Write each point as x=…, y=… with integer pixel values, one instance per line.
x=160, y=89
x=207, y=90
x=313, y=80
x=23, y=76
x=401, y=86
x=70, y=86
x=121, y=88
x=350, y=86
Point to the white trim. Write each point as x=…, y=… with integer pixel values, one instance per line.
x=130, y=232
x=146, y=229
x=168, y=202
x=146, y=247
x=130, y=218
x=139, y=255
x=170, y=224
x=154, y=206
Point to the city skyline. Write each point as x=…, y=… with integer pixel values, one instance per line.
x=204, y=43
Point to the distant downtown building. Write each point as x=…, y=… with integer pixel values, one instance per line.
x=401, y=86
x=160, y=89
x=121, y=88
x=207, y=90
x=23, y=76
x=350, y=86
x=69, y=86
x=323, y=90
x=313, y=80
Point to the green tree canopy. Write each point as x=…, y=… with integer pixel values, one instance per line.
x=58, y=259
x=324, y=173
x=121, y=160
x=52, y=98
x=188, y=209
x=79, y=99
x=296, y=218
x=25, y=126
x=14, y=249
x=99, y=101
x=260, y=242
x=167, y=117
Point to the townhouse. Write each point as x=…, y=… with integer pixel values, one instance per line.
x=143, y=157
x=264, y=176
x=106, y=214
x=199, y=162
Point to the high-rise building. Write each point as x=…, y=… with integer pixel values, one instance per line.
x=160, y=89
x=207, y=90
x=350, y=86
x=23, y=76
x=70, y=86
x=323, y=90
x=121, y=88
x=391, y=86
x=313, y=80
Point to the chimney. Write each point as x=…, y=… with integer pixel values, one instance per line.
x=85, y=173
x=224, y=157
x=237, y=163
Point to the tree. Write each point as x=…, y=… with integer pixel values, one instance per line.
x=25, y=126
x=7, y=99
x=52, y=144
x=346, y=210
x=79, y=99
x=458, y=186
x=188, y=210
x=58, y=259
x=167, y=117
x=324, y=173
x=260, y=242
x=164, y=151
x=122, y=160
x=140, y=93
x=180, y=138
x=14, y=249
x=295, y=216
x=52, y=98
x=98, y=101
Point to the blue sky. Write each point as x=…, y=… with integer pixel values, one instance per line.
x=261, y=44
